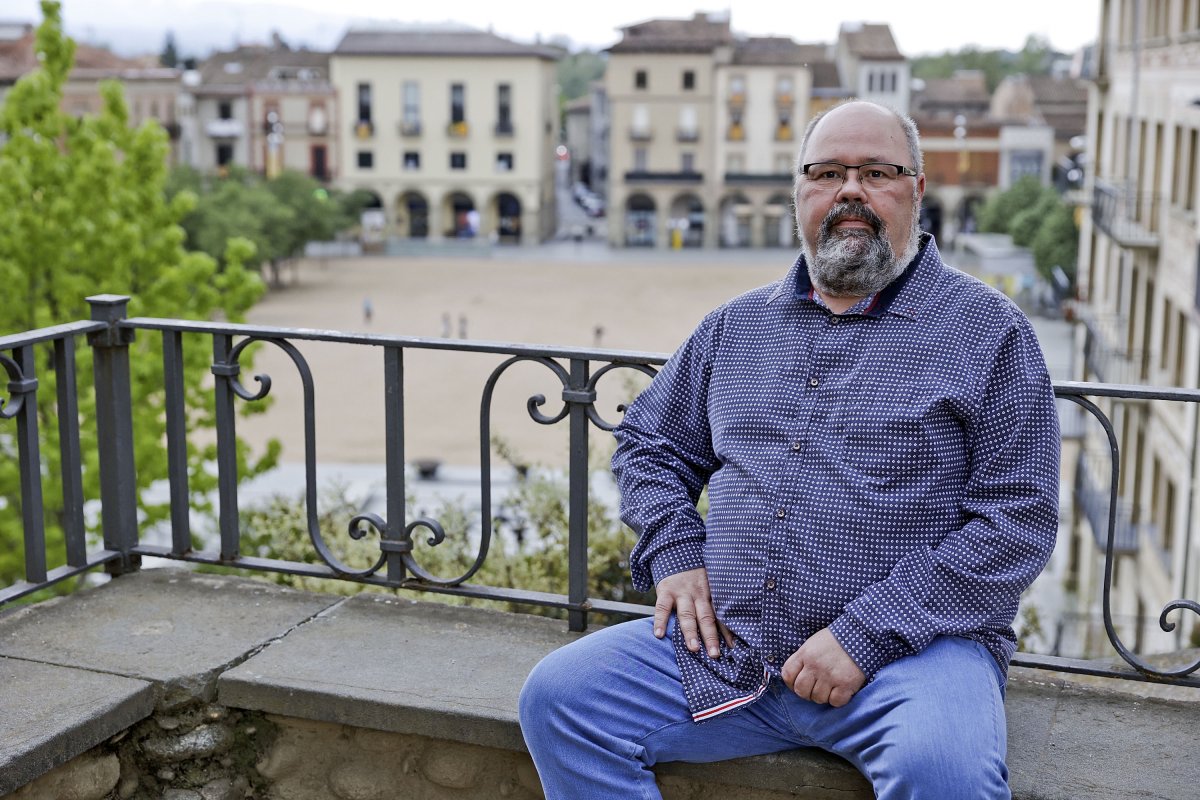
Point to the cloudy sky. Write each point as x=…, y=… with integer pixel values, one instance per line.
x=920, y=26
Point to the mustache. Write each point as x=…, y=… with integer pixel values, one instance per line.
x=850, y=209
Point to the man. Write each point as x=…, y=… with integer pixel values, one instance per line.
x=878, y=437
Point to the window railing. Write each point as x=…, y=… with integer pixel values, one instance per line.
x=579, y=372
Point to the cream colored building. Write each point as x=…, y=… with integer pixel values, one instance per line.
x=705, y=126
x=265, y=108
x=1139, y=257
x=452, y=130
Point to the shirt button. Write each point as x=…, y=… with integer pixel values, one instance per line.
x=813, y=382
x=780, y=514
x=797, y=445
x=770, y=659
x=770, y=584
x=834, y=320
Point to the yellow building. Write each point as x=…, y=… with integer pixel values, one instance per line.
x=705, y=126
x=452, y=131
x=1138, y=265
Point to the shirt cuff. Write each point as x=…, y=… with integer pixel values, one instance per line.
x=678, y=557
x=856, y=640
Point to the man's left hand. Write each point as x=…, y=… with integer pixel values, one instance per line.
x=821, y=671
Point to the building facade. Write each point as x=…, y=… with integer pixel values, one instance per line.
x=1139, y=258
x=150, y=90
x=262, y=108
x=451, y=130
x=705, y=126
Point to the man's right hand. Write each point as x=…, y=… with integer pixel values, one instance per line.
x=687, y=593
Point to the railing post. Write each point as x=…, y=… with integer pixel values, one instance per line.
x=114, y=430
x=580, y=397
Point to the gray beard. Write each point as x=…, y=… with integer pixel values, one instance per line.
x=856, y=263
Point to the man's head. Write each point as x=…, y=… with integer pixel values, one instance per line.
x=858, y=234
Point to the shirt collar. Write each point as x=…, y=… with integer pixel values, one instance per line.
x=904, y=296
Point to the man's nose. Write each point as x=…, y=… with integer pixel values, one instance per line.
x=852, y=188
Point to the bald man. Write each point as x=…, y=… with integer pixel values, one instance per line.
x=878, y=438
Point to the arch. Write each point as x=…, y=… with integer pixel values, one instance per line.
x=968, y=213
x=641, y=221
x=779, y=222
x=459, y=209
x=687, y=217
x=735, y=216
x=507, y=208
x=412, y=215
x=931, y=215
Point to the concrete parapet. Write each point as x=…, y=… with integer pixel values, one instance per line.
x=244, y=687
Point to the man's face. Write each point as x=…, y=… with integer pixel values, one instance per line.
x=853, y=235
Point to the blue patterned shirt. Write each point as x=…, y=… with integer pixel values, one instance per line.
x=890, y=473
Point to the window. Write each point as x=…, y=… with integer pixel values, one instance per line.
x=687, y=162
x=783, y=86
x=504, y=108
x=735, y=162
x=641, y=122
x=225, y=109
x=783, y=163
x=639, y=159
x=688, y=126
x=412, y=159
x=504, y=162
x=366, y=159
x=639, y=79
x=411, y=99
x=364, y=102
x=458, y=103
x=224, y=155
x=689, y=80
x=319, y=163
x=1024, y=162
x=458, y=161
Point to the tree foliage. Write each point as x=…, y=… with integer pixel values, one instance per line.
x=279, y=216
x=1034, y=58
x=85, y=213
x=576, y=71
x=1037, y=218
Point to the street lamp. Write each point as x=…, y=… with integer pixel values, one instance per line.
x=274, y=144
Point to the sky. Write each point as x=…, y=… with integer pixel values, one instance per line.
x=133, y=27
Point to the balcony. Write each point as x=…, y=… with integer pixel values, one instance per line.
x=651, y=176
x=1105, y=349
x=736, y=99
x=735, y=133
x=458, y=130
x=687, y=134
x=1129, y=217
x=225, y=128
x=783, y=133
x=504, y=129
x=784, y=100
x=784, y=179
x=640, y=134
x=410, y=129
x=1094, y=496
x=363, y=130
x=94, y=670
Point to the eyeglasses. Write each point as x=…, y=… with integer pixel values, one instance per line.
x=873, y=174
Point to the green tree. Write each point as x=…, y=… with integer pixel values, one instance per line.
x=1001, y=208
x=1024, y=226
x=85, y=213
x=1057, y=244
x=279, y=216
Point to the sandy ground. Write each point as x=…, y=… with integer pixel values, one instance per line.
x=553, y=296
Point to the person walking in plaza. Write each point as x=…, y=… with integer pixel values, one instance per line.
x=879, y=442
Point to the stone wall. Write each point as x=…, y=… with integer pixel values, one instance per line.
x=209, y=752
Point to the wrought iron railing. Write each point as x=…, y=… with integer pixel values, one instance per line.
x=579, y=371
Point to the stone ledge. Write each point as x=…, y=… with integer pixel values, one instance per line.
x=52, y=714
x=451, y=673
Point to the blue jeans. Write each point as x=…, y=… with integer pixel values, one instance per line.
x=600, y=712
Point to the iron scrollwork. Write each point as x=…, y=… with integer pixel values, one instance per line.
x=392, y=540
x=1175, y=605
x=18, y=387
